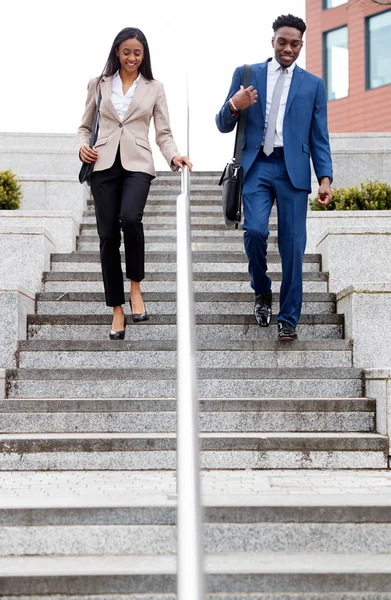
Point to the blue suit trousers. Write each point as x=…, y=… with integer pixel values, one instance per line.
x=266, y=181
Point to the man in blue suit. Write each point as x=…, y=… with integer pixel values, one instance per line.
x=286, y=124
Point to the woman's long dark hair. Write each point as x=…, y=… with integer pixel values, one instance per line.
x=112, y=65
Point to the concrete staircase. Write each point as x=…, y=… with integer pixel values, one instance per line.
x=78, y=401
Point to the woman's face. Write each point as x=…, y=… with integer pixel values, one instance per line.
x=130, y=54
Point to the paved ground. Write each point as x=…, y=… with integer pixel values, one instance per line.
x=125, y=488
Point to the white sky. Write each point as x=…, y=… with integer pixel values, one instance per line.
x=50, y=49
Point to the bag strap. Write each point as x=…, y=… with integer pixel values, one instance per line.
x=239, y=139
x=95, y=125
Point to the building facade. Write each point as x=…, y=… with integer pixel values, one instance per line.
x=348, y=43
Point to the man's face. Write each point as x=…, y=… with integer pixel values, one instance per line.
x=287, y=43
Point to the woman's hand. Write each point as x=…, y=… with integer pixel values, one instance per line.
x=179, y=161
x=88, y=155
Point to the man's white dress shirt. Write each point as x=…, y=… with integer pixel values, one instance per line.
x=273, y=72
x=120, y=100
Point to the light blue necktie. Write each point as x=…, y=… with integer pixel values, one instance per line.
x=268, y=144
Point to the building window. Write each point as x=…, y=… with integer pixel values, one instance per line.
x=378, y=55
x=332, y=3
x=336, y=63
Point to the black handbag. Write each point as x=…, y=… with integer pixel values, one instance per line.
x=232, y=177
x=86, y=170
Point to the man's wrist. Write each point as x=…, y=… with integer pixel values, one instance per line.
x=234, y=110
x=329, y=179
x=232, y=105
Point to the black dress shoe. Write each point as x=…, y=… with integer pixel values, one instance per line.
x=286, y=331
x=118, y=335
x=137, y=318
x=263, y=309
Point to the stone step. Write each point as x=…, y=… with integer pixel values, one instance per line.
x=161, y=219
x=358, y=405
x=69, y=271
x=58, y=417
x=159, y=415
x=206, y=181
x=144, y=345
x=170, y=257
x=261, y=576
x=91, y=271
x=266, y=354
x=274, y=450
x=145, y=531
x=123, y=422
x=167, y=271
x=210, y=201
x=197, y=190
x=170, y=245
x=313, y=283
x=161, y=266
x=163, y=327
x=219, y=227
x=165, y=303
x=202, y=196
x=208, y=198
x=169, y=196
x=169, y=235
x=165, y=210
x=213, y=382
x=208, y=195
x=194, y=175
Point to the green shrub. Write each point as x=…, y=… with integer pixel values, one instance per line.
x=10, y=191
x=372, y=195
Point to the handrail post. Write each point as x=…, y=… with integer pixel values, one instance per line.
x=190, y=571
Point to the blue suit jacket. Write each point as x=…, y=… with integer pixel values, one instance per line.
x=305, y=124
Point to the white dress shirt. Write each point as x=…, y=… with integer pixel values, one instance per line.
x=273, y=73
x=120, y=100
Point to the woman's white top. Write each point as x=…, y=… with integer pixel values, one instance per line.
x=120, y=100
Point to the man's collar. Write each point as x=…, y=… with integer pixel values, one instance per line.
x=274, y=65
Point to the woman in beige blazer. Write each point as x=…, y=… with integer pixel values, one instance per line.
x=123, y=164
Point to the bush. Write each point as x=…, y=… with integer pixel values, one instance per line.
x=372, y=195
x=10, y=191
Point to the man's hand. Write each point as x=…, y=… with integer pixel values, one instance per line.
x=245, y=97
x=324, y=192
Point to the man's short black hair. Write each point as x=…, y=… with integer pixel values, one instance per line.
x=289, y=21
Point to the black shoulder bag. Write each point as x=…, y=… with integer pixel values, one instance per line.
x=86, y=170
x=232, y=177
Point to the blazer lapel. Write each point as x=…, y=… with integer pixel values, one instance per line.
x=297, y=80
x=262, y=85
x=138, y=97
x=106, y=88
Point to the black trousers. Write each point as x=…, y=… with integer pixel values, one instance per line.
x=119, y=198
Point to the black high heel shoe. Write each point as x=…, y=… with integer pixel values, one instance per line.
x=137, y=318
x=118, y=335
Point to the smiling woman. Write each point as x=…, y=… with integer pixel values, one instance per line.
x=129, y=54
x=123, y=164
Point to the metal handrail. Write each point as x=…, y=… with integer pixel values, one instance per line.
x=190, y=570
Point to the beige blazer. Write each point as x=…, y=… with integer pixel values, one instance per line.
x=149, y=101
